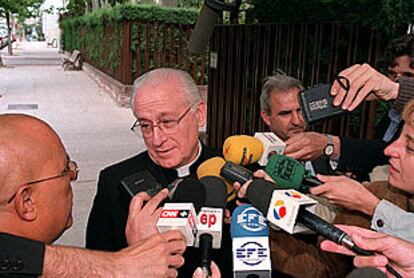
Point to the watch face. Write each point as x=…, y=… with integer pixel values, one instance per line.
x=329, y=150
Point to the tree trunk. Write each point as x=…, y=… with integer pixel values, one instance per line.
x=1, y=62
x=9, y=35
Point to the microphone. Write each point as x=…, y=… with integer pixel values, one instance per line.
x=242, y=149
x=212, y=167
x=210, y=11
x=250, y=238
x=271, y=145
x=289, y=173
x=180, y=213
x=200, y=37
x=292, y=212
x=210, y=220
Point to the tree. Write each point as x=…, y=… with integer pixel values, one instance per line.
x=21, y=9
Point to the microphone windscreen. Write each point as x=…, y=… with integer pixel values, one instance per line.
x=247, y=221
x=216, y=192
x=259, y=193
x=287, y=172
x=242, y=149
x=190, y=190
x=200, y=37
x=212, y=167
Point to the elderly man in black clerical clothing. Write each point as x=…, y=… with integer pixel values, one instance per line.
x=169, y=112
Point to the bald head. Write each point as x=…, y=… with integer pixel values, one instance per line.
x=35, y=195
x=26, y=143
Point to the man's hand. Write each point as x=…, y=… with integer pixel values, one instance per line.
x=156, y=256
x=242, y=189
x=347, y=193
x=363, y=80
x=306, y=146
x=389, y=250
x=142, y=219
x=215, y=272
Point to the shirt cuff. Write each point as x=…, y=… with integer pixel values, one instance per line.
x=383, y=216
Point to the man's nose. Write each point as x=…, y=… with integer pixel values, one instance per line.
x=158, y=136
x=297, y=119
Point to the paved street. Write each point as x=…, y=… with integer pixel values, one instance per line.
x=94, y=130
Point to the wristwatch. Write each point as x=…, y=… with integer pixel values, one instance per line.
x=329, y=148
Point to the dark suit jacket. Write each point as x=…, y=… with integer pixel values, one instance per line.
x=360, y=156
x=107, y=220
x=20, y=257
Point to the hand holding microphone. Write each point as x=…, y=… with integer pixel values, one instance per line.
x=180, y=214
x=139, y=213
x=291, y=211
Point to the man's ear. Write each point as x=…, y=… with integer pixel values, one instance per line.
x=265, y=118
x=201, y=114
x=25, y=204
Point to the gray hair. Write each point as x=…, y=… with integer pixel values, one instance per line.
x=161, y=75
x=276, y=83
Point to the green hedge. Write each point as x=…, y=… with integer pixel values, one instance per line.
x=135, y=12
x=390, y=17
x=99, y=35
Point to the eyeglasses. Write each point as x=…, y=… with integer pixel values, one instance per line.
x=71, y=170
x=167, y=126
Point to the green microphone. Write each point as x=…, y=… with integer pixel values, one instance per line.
x=289, y=173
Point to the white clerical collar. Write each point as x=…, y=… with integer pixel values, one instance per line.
x=184, y=171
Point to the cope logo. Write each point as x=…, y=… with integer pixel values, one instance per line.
x=251, y=253
x=252, y=220
x=279, y=211
x=293, y=194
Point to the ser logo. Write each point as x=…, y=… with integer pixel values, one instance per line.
x=251, y=253
x=252, y=220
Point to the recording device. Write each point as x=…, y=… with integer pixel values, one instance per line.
x=289, y=173
x=209, y=14
x=250, y=241
x=210, y=220
x=143, y=181
x=271, y=145
x=233, y=172
x=139, y=182
x=317, y=103
x=180, y=214
x=292, y=212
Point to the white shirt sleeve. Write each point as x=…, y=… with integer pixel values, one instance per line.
x=391, y=219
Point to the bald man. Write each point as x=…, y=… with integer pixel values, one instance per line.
x=36, y=204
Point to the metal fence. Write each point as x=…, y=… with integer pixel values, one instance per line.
x=126, y=50
x=242, y=55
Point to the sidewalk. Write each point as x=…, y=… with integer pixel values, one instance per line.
x=94, y=130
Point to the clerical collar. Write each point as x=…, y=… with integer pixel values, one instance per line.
x=184, y=171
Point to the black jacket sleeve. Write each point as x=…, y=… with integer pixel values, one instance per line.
x=20, y=257
x=361, y=155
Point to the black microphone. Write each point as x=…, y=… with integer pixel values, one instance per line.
x=210, y=11
x=181, y=212
x=190, y=190
x=200, y=37
x=262, y=195
x=211, y=220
